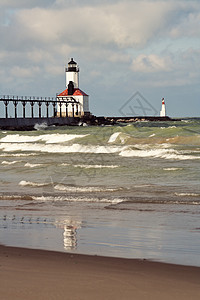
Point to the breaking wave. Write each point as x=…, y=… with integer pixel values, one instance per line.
x=86, y=189
x=157, y=153
x=96, y=166
x=33, y=184
x=68, y=188
x=77, y=199
x=75, y=148
x=187, y=194
x=10, y=162
x=172, y=169
x=53, y=138
x=33, y=165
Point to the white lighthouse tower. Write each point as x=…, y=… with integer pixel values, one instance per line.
x=163, y=109
x=74, y=102
x=72, y=73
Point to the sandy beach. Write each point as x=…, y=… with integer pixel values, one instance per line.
x=38, y=274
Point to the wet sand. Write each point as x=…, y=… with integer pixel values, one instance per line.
x=37, y=274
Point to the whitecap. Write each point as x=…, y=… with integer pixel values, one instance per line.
x=157, y=153
x=10, y=162
x=114, y=137
x=77, y=199
x=172, y=169
x=118, y=136
x=42, y=126
x=187, y=194
x=48, y=138
x=74, y=148
x=33, y=184
x=86, y=189
x=32, y=165
x=18, y=154
x=96, y=166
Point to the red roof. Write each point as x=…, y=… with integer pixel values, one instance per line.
x=77, y=92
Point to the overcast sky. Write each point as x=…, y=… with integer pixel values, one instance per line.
x=122, y=47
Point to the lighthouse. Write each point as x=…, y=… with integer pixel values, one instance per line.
x=73, y=101
x=72, y=73
x=163, y=109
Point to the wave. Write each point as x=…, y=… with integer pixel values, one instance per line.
x=16, y=197
x=33, y=165
x=53, y=198
x=172, y=169
x=77, y=199
x=187, y=194
x=33, y=184
x=74, y=148
x=53, y=138
x=10, y=162
x=42, y=126
x=96, y=166
x=162, y=151
x=68, y=188
x=157, y=153
x=118, y=137
x=17, y=154
x=86, y=189
x=153, y=204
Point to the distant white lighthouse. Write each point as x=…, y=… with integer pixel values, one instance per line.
x=75, y=103
x=163, y=109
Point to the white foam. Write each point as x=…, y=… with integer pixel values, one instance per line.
x=77, y=199
x=172, y=169
x=33, y=184
x=33, y=165
x=118, y=136
x=96, y=166
x=187, y=194
x=10, y=162
x=18, y=154
x=53, y=138
x=157, y=153
x=41, y=126
x=113, y=137
x=86, y=189
x=75, y=148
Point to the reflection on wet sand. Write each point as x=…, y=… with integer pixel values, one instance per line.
x=19, y=223
x=69, y=233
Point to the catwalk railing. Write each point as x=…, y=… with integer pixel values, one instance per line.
x=35, y=107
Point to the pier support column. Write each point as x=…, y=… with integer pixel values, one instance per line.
x=66, y=109
x=39, y=104
x=54, y=108
x=76, y=109
x=60, y=109
x=32, y=105
x=6, y=102
x=47, y=105
x=15, y=104
x=24, y=108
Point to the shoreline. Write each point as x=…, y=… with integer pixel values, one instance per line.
x=40, y=274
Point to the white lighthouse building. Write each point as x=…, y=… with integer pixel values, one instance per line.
x=163, y=109
x=72, y=102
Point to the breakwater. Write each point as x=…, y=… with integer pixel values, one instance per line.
x=32, y=123
x=25, y=113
